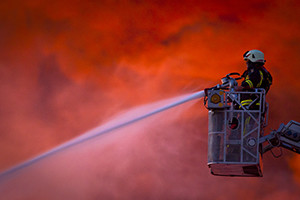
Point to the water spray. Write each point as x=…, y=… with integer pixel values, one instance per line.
x=100, y=131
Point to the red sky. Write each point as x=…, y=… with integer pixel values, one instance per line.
x=68, y=66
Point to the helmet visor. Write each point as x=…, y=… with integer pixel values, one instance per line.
x=245, y=56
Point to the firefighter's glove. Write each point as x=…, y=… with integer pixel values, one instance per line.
x=238, y=88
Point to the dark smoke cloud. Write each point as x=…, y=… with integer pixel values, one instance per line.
x=67, y=66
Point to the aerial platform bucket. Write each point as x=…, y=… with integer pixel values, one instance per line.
x=233, y=133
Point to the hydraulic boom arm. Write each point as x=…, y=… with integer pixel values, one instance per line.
x=286, y=136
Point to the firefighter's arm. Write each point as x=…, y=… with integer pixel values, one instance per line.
x=252, y=80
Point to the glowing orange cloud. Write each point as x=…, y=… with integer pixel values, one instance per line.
x=66, y=66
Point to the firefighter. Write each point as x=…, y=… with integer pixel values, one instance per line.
x=256, y=75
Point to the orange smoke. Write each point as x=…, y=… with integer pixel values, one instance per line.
x=67, y=66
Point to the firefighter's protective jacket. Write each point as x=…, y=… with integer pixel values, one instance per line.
x=255, y=77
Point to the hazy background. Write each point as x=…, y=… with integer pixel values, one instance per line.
x=69, y=66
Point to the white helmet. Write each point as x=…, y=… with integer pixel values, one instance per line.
x=254, y=56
